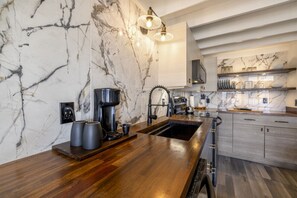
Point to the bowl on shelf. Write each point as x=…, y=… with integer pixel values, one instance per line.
x=276, y=85
x=278, y=66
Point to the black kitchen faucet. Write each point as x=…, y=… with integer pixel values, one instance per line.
x=169, y=104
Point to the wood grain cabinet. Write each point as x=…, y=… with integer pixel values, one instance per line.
x=224, y=137
x=248, y=140
x=281, y=144
x=260, y=138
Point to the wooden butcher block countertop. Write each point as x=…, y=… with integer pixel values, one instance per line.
x=147, y=166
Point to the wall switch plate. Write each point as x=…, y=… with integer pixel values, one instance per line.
x=265, y=100
x=67, y=112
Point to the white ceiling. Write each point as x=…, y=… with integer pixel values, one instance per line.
x=226, y=25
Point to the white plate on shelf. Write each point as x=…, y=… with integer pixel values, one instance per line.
x=278, y=66
x=276, y=85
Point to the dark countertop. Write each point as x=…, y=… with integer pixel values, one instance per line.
x=147, y=166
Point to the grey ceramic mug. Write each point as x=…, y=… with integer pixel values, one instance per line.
x=92, y=136
x=76, y=133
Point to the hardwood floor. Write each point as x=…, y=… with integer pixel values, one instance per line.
x=239, y=178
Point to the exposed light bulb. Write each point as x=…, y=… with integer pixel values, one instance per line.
x=163, y=37
x=149, y=23
x=120, y=33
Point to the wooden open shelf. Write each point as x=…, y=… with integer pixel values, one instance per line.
x=258, y=89
x=260, y=72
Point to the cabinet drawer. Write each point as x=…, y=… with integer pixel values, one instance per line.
x=280, y=121
x=267, y=120
x=248, y=119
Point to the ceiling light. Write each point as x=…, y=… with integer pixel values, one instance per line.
x=149, y=21
x=163, y=35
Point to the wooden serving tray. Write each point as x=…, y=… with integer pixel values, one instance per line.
x=78, y=153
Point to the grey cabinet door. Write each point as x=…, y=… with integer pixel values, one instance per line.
x=224, y=132
x=248, y=140
x=281, y=144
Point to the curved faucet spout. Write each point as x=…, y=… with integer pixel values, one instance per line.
x=150, y=117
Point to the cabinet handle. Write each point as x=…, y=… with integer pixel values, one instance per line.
x=267, y=130
x=212, y=146
x=281, y=121
x=262, y=129
x=247, y=119
x=189, y=80
x=210, y=169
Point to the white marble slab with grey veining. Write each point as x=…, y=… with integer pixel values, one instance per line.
x=59, y=51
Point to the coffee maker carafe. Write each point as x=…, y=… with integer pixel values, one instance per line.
x=105, y=101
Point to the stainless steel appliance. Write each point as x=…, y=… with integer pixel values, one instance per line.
x=198, y=72
x=211, y=153
x=201, y=184
x=105, y=101
x=205, y=177
x=179, y=105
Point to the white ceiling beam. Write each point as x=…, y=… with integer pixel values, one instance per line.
x=272, y=15
x=167, y=7
x=212, y=11
x=251, y=44
x=256, y=33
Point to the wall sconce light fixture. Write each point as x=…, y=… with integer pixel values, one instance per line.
x=163, y=35
x=151, y=21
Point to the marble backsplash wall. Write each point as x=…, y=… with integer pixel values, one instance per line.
x=122, y=56
x=249, y=99
x=231, y=100
x=59, y=51
x=254, y=99
x=250, y=63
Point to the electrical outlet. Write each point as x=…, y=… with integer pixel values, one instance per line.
x=265, y=100
x=67, y=112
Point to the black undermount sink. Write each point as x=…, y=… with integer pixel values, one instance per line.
x=176, y=130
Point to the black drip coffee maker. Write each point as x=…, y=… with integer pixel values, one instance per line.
x=105, y=101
